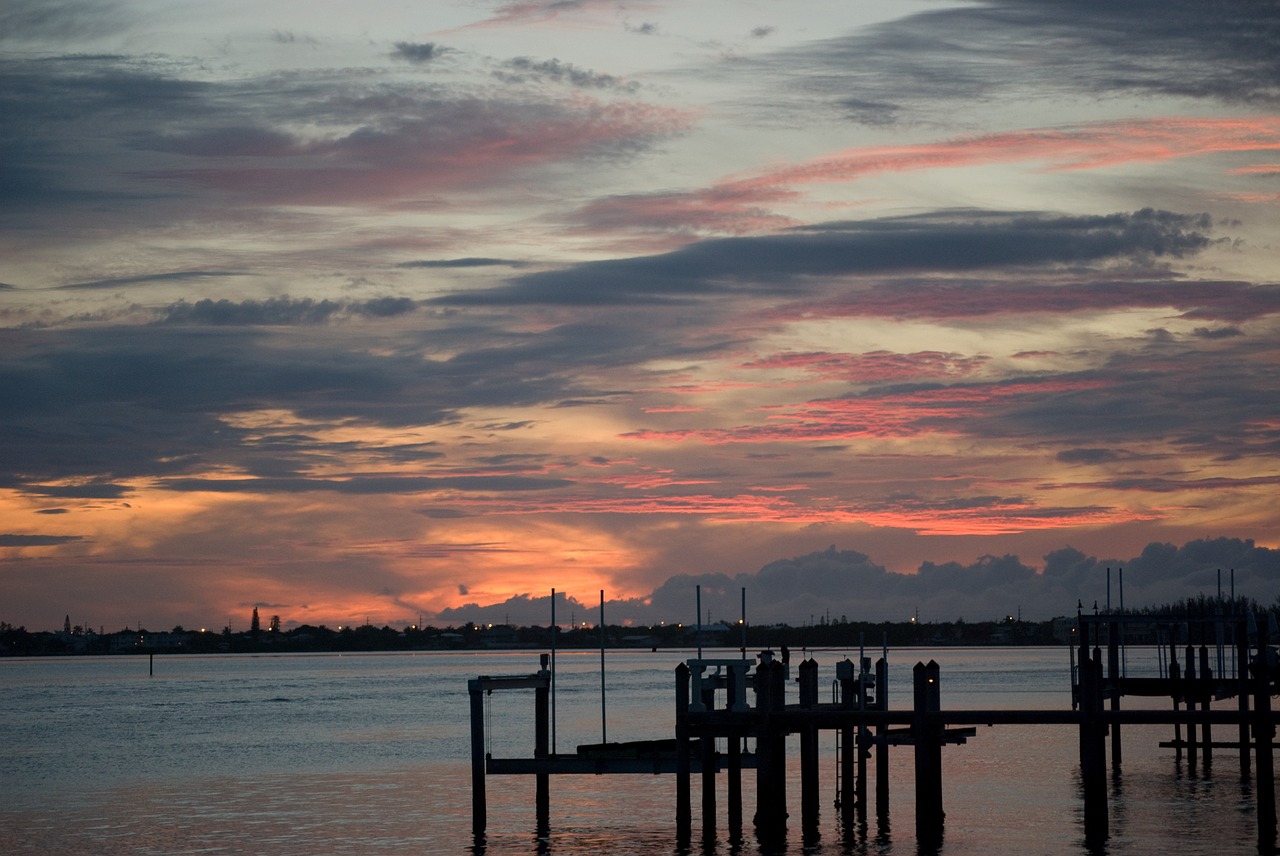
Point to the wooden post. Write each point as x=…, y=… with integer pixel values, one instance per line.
x=1175, y=691
x=809, y=751
x=771, y=772
x=882, y=742
x=708, y=771
x=684, y=808
x=1192, y=697
x=1264, y=733
x=928, y=749
x=541, y=750
x=734, y=795
x=1093, y=753
x=1206, y=699
x=846, y=802
x=1113, y=688
x=479, y=813
x=1242, y=695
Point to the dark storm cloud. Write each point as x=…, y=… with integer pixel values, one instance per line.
x=1227, y=51
x=418, y=53
x=847, y=583
x=1089, y=456
x=145, y=279
x=93, y=490
x=525, y=70
x=777, y=263
x=469, y=262
x=1211, y=400
x=363, y=486
x=7, y=540
x=119, y=403
x=147, y=139
x=60, y=20
x=281, y=310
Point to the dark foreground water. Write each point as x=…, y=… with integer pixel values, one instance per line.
x=369, y=754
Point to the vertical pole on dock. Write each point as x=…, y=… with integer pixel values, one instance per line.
x=809, y=751
x=604, y=723
x=844, y=800
x=1264, y=732
x=684, y=809
x=1093, y=752
x=1113, y=689
x=479, y=813
x=554, y=632
x=734, y=795
x=1243, y=692
x=698, y=618
x=1175, y=681
x=1206, y=697
x=541, y=748
x=882, y=741
x=1192, y=696
x=928, y=747
x=708, y=771
x=771, y=772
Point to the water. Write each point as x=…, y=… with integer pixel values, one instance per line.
x=316, y=754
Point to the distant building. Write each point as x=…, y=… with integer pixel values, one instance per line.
x=1065, y=630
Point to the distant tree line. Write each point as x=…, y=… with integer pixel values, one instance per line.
x=825, y=633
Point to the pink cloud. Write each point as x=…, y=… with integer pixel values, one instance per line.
x=894, y=415
x=539, y=12
x=478, y=146
x=739, y=205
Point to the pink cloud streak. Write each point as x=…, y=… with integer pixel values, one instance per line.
x=739, y=205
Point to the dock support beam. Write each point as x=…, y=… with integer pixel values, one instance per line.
x=1113, y=690
x=479, y=810
x=882, y=744
x=927, y=736
x=736, y=689
x=709, y=765
x=1264, y=733
x=542, y=751
x=684, y=809
x=1243, y=691
x=1093, y=752
x=771, y=755
x=809, y=753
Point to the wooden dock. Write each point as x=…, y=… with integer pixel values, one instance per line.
x=867, y=728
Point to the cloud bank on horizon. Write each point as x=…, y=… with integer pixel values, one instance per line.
x=394, y=312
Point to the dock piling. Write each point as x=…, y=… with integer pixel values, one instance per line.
x=1206, y=699
x=479, y=811
x=541, y=749
x=1264, y=733
x=926, y=733
x=882, y=743
x=809, y=800
x=1093, y=752
x=684, y=808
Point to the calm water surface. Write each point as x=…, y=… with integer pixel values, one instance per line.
x=369, y=753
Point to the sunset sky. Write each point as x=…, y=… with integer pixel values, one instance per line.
x=379, y=310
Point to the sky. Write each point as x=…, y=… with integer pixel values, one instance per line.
x=392, y=312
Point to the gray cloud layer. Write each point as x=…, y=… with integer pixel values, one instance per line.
x=847, y=583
